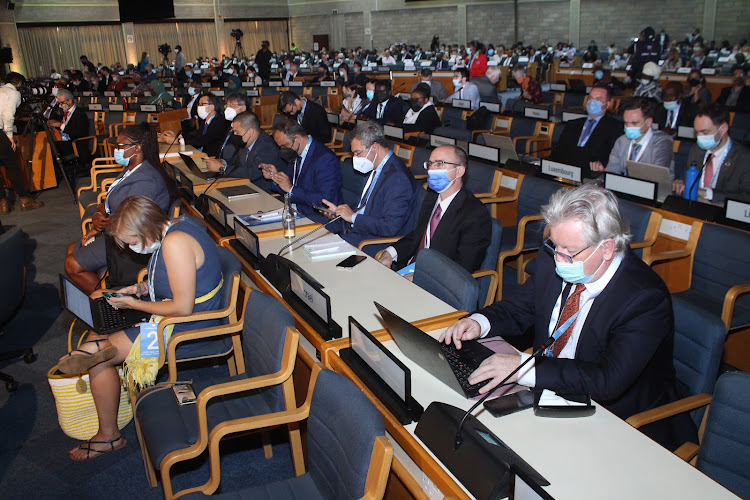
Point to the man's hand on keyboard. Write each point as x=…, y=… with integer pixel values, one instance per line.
x=496, y=367
x=463, y=329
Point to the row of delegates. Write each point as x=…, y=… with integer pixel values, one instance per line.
x=211, y=132
x=138, y=151
x=184, y=276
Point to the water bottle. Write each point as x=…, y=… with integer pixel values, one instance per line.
x=691, y=182
x=287, y=219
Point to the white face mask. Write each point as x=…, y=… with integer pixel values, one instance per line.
x=203, y=112
x=230, y=113
x=55, y=90
x=229, y=71
x=139, y=248
x=362, y=164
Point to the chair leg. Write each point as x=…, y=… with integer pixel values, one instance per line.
x=265, y=438
x=295, y=442
x=232, y=364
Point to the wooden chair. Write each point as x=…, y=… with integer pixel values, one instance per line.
x=500, y=126
x=334, y=100
x=541, y=139
x=337, y=139
x=405, y=152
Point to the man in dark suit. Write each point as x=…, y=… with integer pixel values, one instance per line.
x=673, y=114
x=385, y=109
x=310, y=115
x=587, y=142
x=610, y=313
x=312, y=171
x=387, y=200
x=451, y=220
x=212, y=126
x=737, y=96
x=436, y=87
x=726, y=163
x=421, y=116
x=74, y=125
x=245, y=161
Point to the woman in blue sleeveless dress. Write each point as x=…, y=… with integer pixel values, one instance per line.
x=184, y=277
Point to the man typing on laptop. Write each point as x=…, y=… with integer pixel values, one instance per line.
x=610, y=313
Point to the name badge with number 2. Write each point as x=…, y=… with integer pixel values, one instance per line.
x=149, y=342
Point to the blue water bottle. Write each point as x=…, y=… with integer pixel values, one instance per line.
x=691, y=183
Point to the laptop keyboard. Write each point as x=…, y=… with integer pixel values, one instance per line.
x=111, y=317
x=463, y=367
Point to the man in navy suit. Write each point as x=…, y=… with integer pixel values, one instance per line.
x=387, y=200
x=313, y=171
x=385, y=108
x=610, y=313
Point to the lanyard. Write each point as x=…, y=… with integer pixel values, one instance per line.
x=561, y=329
x=114, y=185
x=151, y=274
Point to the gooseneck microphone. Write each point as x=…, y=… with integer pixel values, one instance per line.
x=459, y=439
x=177, y=136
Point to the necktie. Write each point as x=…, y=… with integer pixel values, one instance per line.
x=634, y=151
x=669, y=119
x=434, y=221
x=708, y=176
x=381, y=107
x=570, y=308
x=65, y=117
x=586, y=131
x=205, y=128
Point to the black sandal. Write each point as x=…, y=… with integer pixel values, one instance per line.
x=84, y=362
x=87, y=446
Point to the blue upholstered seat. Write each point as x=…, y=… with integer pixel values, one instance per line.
x=490, y=258
x=446, y=280
x=353, y=183
x=534, y=193
x=479, y=177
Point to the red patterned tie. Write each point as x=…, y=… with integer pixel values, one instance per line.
x=433, y=226
x=708, y=176
x=571, y=307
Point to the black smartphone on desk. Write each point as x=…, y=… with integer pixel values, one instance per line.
x=350, y=262
x=510, y=403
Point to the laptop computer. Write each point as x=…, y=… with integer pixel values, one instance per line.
x=205, y=175
x=653, y=173
x=446, y=363
x=504, y=144
x=97, y=313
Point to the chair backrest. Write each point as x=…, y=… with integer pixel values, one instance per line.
x=490, y=258
x=522, y=126
x=405, y=152
x=446, y=280
x=460, y=134
x=421, y=155
x=720, y=262
x=501, y=125
x=481, y=178
x=11, y=278
x=342, y=428
x=638, y=217
x=229, y=264
x=352, y=183
x=263, y=336
x=725, y=452
x=534, y=193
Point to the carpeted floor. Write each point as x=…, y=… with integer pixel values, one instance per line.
x=34, y=459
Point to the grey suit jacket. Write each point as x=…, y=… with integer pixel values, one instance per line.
x=734, y=176
x=658, y=152
x=146, y=181
x=438, y=91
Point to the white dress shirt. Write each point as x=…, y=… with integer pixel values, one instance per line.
x=10, y=99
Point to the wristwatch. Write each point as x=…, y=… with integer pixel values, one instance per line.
x=222, y=169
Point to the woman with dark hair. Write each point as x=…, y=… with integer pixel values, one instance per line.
x=138, y=151
x=184, y=276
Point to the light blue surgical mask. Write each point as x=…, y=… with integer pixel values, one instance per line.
x=573, y=272
x=438, y=180
x=371, y=94
x=598, y=75
x=594, y=107
x=120, y=157
x=287, y=66
x=491, y=52
x=670, y=105
x=191, y=90
x=707, y=141
x=633, y=133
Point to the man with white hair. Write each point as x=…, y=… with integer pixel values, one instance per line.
x=487, y=84
x=610, y=313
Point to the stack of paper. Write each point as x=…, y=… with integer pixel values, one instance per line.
x=176, y=154
x=329, y=247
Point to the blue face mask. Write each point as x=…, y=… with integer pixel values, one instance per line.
x=120, y=157
x=707, y=141
x=370, y=94
x=574, y=273
x=438, y=180
x=287, y=66
x=598, y=75
x=633, y=133
x=670, y=105
x=491, y=52
x=594, y=108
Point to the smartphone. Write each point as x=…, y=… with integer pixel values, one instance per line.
x=511, y=403
x=109, y=295
x=350, y=262
x=324, y=210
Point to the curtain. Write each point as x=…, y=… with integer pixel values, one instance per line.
x=275, y=31
x=60, y=47
x=196, y=38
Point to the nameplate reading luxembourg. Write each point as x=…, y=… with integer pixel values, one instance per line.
x=561, y=170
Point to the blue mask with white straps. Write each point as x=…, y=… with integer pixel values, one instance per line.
x=573, y=272
x=438, y=180
x=119, y=155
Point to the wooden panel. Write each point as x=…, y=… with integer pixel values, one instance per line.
x=42, y=175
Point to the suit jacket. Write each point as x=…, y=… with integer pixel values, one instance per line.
x=597, y=148
x=437, y=90
x=734, y=176
x=394, y=111
x=315, y=122
x=213, y=139
x=462, y=235
x=245, y=163
x=427, y=121
x=685, y=117
x=659, y=151
x=319, y=177
x=487, y=91
x=146, y=181
x=389, y=206
x=743, y=102
x=78, y=124
x=624, y=352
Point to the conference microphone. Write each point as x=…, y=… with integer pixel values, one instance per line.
x=226, y=140
x=176, y=136
x=459, y=439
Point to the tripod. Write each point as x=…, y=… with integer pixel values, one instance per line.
x=239, y=51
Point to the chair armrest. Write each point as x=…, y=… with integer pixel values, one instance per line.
x=493, y=284
x=142, y=274
x=522, y=137
x=519, y=239
x=376, y=241
x=729, y=299
x=669, y=410
x=420, y=176
x=88, y=137
x=687, y=451
x=670, y=255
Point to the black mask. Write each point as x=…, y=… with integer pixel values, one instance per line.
x=694, y=82
x=236, y=141
x=415, y=105
x=287, y=154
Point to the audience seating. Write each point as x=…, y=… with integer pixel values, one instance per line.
x=446, y=280
x=540, y=139
x=486, y=276
x=353, y=183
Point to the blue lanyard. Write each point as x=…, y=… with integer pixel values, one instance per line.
x=561, y=329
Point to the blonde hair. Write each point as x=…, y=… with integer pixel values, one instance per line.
x=140, y=217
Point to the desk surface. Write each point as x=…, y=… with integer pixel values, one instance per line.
x=592, y=457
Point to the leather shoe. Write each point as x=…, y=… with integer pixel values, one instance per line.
x=29, y=203
x=5, y=206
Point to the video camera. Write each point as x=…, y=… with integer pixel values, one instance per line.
x=237, y=33
x=165, y=49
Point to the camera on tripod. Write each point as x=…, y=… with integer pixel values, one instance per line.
x=165, y=49
x=236, y=33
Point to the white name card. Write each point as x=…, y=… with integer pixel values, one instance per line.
x=539, y=114
x=630, y=185
x=684, y=70
x=327, y=84
x=126, y=93
x=147, y=94
x=109, y=93
x=218, y=93
x=439, y=140
x=252, y=93
x=95, y=107
x=274, y=84
x=151, y=108
x=461, y=103
x=248, y=84
x=492, y=107
x=425, y=64
x=587, y=65
x=484, y=152
x=708, y=71
x=87, y=93
x=685, y=132
x=205, y=84
x=395, y=132
x=295, y=84
x=557, y=87
x=561, y=170
x=248, y=238
x=315, y=300
x=738, y=210
x=115, y=107
x=226, y=84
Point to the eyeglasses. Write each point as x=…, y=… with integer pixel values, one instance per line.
x=359, y=152
x=550, y=246
x=438, y=164
x=122, y=145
